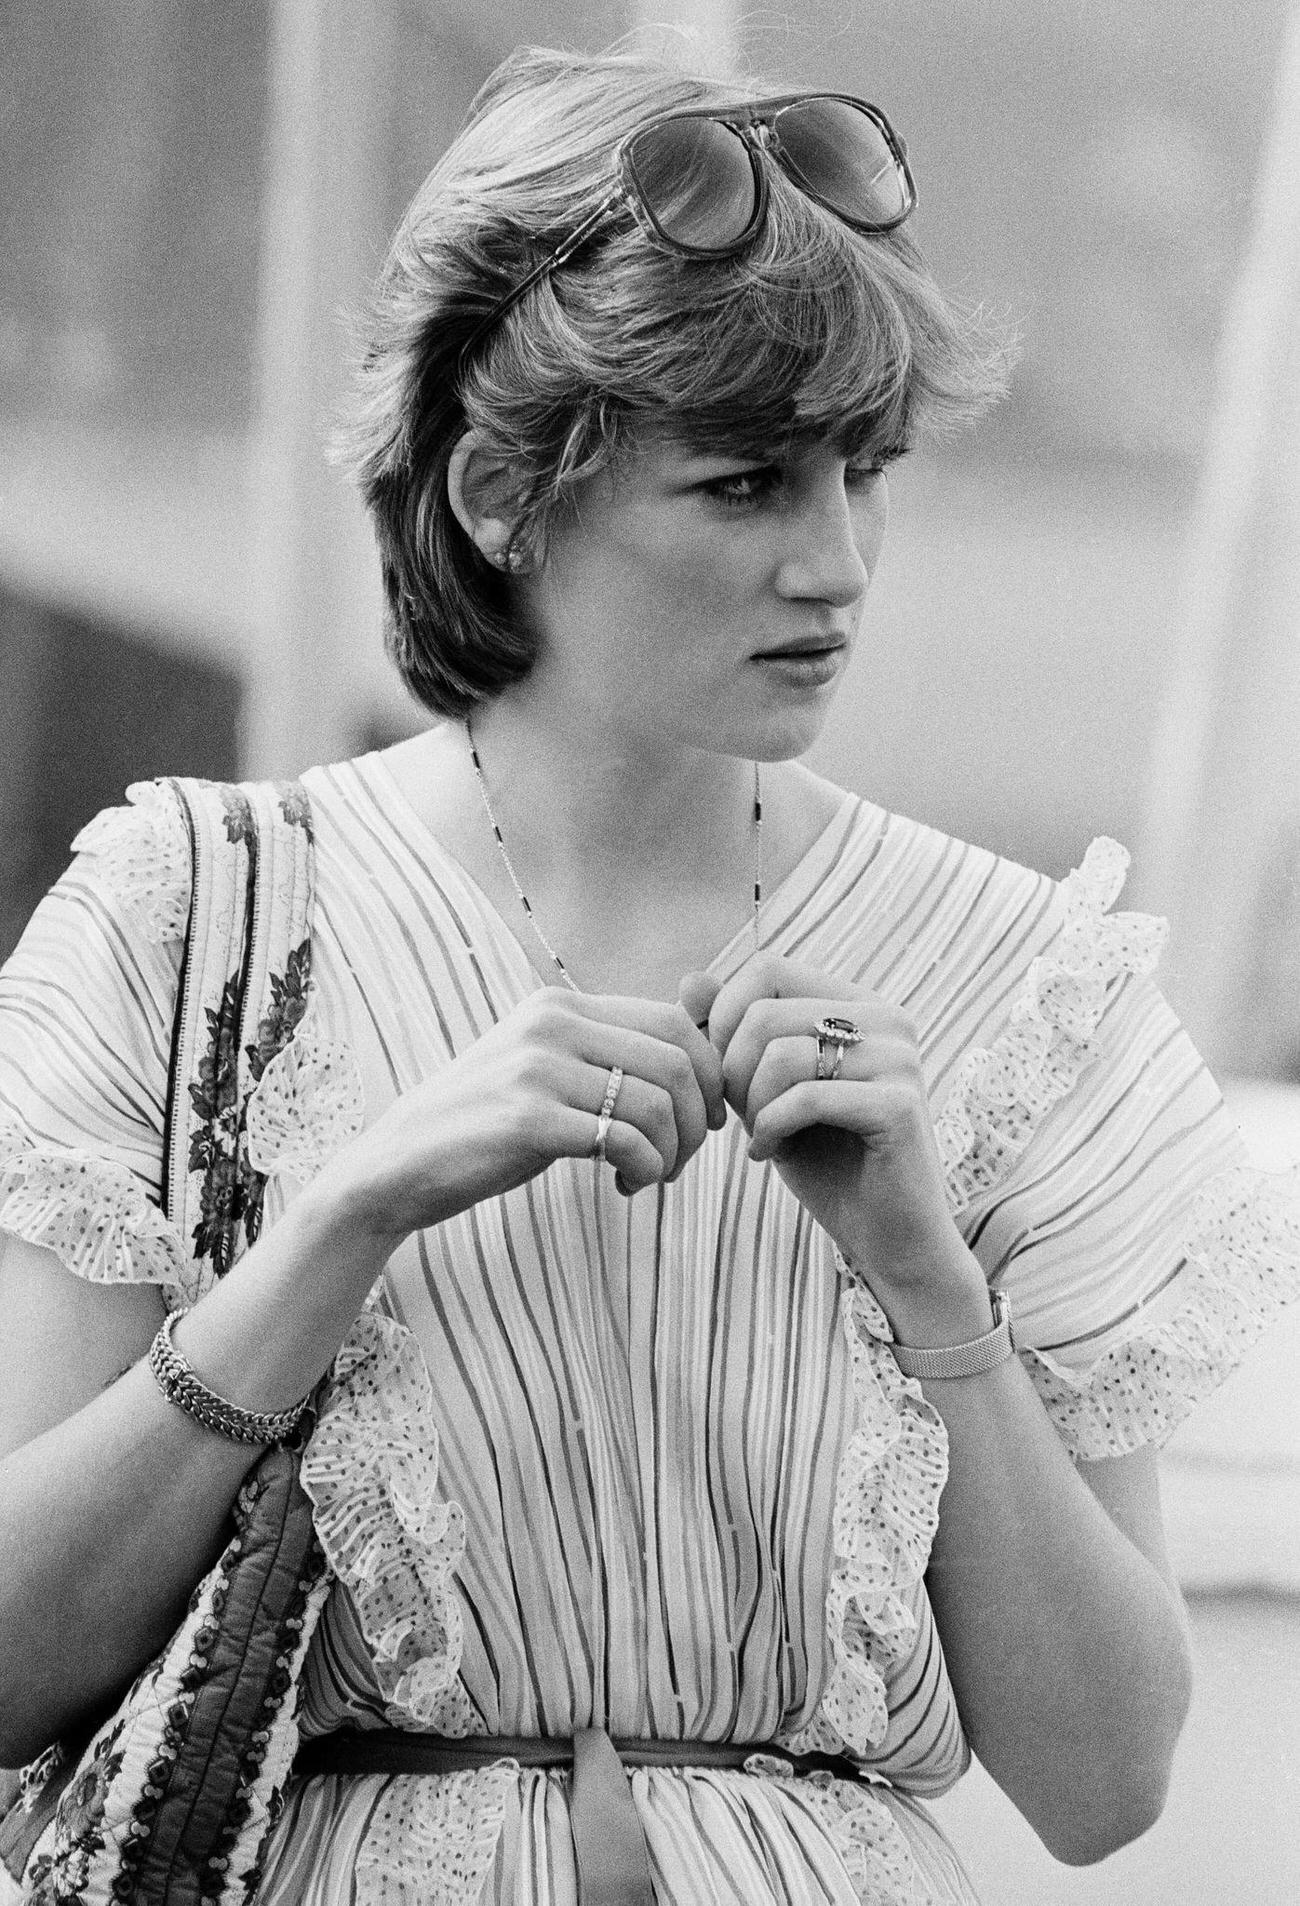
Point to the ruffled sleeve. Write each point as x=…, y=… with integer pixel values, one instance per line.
x=1098, y=1176
x=86, y=1007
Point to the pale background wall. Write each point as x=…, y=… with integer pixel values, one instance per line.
x=1085, y=621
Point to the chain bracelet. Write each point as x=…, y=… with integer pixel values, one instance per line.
x=172, y=1373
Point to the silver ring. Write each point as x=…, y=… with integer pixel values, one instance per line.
x=840, y=1033
x=606, y=1112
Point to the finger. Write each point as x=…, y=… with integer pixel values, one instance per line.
x=767, y=976
x=768, y=1020
x=634, y=1161
x=669, y=1024
x=648, y=1107
x=696, y=995
x=628, y=1152
x=662, y=1063
x=782, y=1063
x=870, y=1110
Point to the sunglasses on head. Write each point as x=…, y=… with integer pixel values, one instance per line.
x=695, y=180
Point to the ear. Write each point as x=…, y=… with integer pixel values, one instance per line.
x=482, y=491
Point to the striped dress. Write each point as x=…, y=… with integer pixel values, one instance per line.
x=649, y=1463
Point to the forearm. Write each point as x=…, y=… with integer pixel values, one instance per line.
x=1067, y=1647
x=109, y=1517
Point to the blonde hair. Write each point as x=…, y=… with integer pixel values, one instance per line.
x=815, y=332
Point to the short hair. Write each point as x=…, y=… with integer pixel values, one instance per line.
x=815, y=332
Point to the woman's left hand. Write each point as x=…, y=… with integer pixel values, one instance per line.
x=858, y=1151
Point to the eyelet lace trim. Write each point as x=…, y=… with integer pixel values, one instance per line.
x=143, y=851
x=862, y=1830
x=887, y=1493
x=1243, y=1248
x=95, y=1216
x=1002, y=1092
x=308, y=1102
x=371, y=1470
x=432, y=1841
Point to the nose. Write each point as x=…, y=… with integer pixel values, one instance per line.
x=832, y=542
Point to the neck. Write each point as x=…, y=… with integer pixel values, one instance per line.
x=574, y=795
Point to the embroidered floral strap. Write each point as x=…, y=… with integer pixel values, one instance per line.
x=244, y=992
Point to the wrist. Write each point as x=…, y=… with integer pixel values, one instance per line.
x=941, y=1300
x=972, y=1357
x=344, y=1212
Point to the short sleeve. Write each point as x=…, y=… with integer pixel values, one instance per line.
x=1102, y=1183
x=87, y=1002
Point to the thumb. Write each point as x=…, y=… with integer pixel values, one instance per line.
x=696, y=995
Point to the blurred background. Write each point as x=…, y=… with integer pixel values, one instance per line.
x=1086, y=621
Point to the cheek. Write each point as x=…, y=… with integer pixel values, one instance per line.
x=872, y=520
x=682, y=580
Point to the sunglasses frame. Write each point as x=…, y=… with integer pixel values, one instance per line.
x=756, y=124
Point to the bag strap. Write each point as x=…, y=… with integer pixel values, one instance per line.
x=243, y=989
x=244, y=981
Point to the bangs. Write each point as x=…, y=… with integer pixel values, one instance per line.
x=780, y=360
x=816, y=333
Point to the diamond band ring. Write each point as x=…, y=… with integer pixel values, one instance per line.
x=606, y=1113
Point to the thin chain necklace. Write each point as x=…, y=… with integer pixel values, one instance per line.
x=526, y=904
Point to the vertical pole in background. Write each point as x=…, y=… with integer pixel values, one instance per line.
x=323, y=213
x=1223, y=802
x=315, y=668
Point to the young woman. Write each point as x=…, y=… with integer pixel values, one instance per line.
x=669, y=1133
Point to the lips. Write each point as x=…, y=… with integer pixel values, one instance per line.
x=799, y=651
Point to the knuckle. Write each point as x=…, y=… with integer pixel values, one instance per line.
x=900, y=1101
x=681, y=1072
x=546, y=1012
x=638, y=1160
x=523, y=1119
x=662, y=1121
x=757, y=1026
x=898, y=1021
x=531, y=1067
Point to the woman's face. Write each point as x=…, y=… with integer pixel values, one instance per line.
x=692, y=598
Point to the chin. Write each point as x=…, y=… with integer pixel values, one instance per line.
x=784, y=734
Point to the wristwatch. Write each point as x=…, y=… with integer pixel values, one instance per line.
x=963, y=1359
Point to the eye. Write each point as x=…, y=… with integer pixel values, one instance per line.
x=862, y=469
x=740, y=489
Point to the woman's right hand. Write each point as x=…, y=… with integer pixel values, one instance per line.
x=527, y=1093
x=112, y=1501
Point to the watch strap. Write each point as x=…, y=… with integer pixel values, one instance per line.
x=963, y=1359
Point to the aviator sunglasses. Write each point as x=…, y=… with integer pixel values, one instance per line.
x=695, y=181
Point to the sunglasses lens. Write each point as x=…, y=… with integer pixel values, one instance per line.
x=696, y=181
x=845, y=160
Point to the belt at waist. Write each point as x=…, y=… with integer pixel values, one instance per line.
x=609, y=1845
